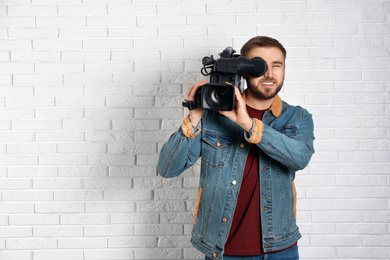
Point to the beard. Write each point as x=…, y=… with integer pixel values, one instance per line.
x=265, y=93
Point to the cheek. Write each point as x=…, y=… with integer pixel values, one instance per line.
x=254, y=81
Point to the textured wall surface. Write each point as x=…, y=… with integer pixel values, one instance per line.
x=91, y=89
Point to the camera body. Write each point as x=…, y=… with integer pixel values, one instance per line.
x=225, y=74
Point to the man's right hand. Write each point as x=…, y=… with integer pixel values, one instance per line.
x=196, y=114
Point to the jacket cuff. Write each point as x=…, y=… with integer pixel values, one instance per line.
x=189, y=130
x=256, y=133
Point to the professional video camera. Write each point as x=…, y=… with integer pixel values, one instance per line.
x=218, y=95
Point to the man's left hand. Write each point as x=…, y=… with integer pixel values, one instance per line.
x=239, y=114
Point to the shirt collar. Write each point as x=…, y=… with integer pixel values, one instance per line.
x=276, y=106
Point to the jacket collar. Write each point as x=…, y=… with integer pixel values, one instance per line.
x=276, y=106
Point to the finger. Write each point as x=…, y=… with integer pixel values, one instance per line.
x=190, y=95
x=238, y=96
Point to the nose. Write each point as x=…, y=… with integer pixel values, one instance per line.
x=269, y=72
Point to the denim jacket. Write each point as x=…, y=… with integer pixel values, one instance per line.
x=285, y=138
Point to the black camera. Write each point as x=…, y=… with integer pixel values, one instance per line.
x=225, y=74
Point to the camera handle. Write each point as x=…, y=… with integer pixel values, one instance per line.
x=189, y=104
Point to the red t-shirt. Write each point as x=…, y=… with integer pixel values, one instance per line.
x=245, y=233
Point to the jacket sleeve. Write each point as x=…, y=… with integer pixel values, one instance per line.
x=180, y=152
x=294, y=152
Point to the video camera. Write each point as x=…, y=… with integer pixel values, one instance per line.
x=218, y=95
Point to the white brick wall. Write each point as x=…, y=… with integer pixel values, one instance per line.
x=89, y=91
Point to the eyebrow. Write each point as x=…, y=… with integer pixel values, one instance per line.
x=277, y=62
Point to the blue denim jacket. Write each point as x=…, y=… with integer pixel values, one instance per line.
x=286, y=146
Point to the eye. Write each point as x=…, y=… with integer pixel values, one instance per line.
x=277, y=65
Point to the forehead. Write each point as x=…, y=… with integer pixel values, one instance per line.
x=269, y=54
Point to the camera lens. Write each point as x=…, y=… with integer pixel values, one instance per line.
x=220, y=94
x=219, y=97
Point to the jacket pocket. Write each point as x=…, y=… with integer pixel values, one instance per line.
x=216, y=149
x=197, y=204
x=288, y=130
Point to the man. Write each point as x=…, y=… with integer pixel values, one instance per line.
x=247, y=198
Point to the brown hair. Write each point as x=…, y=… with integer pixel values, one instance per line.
x=262, y=41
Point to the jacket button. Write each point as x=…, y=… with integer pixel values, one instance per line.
x=224, y=220
x=234, y=182
x=214, y=255
x=242, y=145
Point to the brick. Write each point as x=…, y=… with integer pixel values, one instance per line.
x=135, y=218
x=57, y=208
x=60, y=136
x=85, y=56
x=105, y=207
x=47, y=79
x=136, y=125
x=310, y=18
x=131, y=195
x=131, y=10
x=82, y=243
x=111, y=254
x=107, y=183
x=80, y=195
x=133, y=242
x=37, y=125
x=31, y=10
x=174, y=242
x=81, y=148
x=187, y=31
x=112, y=160
x=335, y=241
x=56, y=184
x=81, y=171
x=318, y=252
x=159, y=253
x=85, y=219
x=110, y=21
x=161, y=20
x=32, y=33
x=15, y=232
x=31, y=172
x=210, y=20
x=22, y=255
x=18, y=160
x=33, y=220
x=361, y=204
x=116, y=136
x=132, y=171
x=82, y=10
x=62, y=160
x=160, y=206
x=362, y=252
x=31, y=243
x=58, y=255
x=56, y=44
x=133, y=148
x=24, y=195
x=336, y=217
x=16, y=67
x=109, y=231
x=88, y=78
x=60, y=21
x=17, y=22
x=55, y=232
